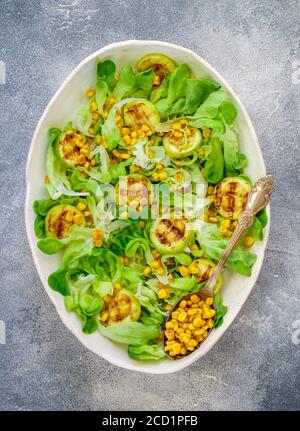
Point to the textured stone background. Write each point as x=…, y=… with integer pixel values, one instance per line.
x=254, y=44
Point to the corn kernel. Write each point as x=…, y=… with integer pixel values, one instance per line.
x=78, y=219
x=93, y=106
x=163, y=293
x=206, y=132
x=197, y=322
x=182, y=316
x=90, y=93
x=177, y=134
x=126, y=139
x=209, y=300
x=183, y=303
x=125, y=131
x=183, y=351
x=69, y=216
x=117, y=286
x=104, y=316
x=155, y=264
x=155, y=176
x=124, y=214
x=147, y=270
x=170, y=334
x=163, y=175
x=184, y=271
x=97, y=242
x=169, y=325
x=95, y=115
x=176, y=348
x=160, y=271
x=176, y=126
x=97, y=233
x=248, y=241
x=141, y=134
x=81, y=206
x=195, y=299
x=156, y=80
x=86, y=165
x=194, y=269
x=192, y=311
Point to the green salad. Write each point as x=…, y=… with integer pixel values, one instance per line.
x=145, y=188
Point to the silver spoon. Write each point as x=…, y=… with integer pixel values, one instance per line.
x=257, y=200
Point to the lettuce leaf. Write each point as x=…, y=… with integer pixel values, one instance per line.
x=214, y=165
x=146, y=352
x=213, y=245
x=134, y=333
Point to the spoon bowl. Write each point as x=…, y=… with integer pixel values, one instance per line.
x=257, y=200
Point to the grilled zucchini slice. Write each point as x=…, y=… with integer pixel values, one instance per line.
x=230, y=197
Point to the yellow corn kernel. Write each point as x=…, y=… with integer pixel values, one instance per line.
x=170, y=334
x=183, y=351
x=97, y=242
x=69, y=216
x=133, y=141
x=167, y=307
x=176, y=126
x=81, y=206
x=170, y=277
x=193, y=342
x=117, y=286
x=98, y=139
x=81, y=159
x=225, y=223
x=90, y=131
x=156, y=80
x=126, y=260
x=163, y=293
x=163, y=175
x=95, y=115
x=248, y=241
x=78, y=219
x=93, y=106
x=159, y=166
x=189, y=132
x=169, y=325
x=194, y=247
x=182, y=316
x=125, y=131
x=160, y=271
x=104, y=316
x=155, y=264
x=194, y=269
x=147, y=270
x=183, y=271
x=145, y=128
x=150, y=154
x=183, y=122
x=90, y=93
x=125, y=156
x=175, y=314
x=155, y=176
x=105, y=114
x=104, y=144
x=167, y=348
x=210, y=323
x=176, y=348
x=176, y=326
x=197, y=322
x=206, y=132
x=195, y=299
x=86, y=165
x=112, y=101
x=177, y=134
x=87, y=213
x=126, y=139
x=191, y=327
x=93, y=162
x=124, y=214
x=185, y=338
x=155, y=254
x=209, y=300
x=178, y=176
x=199, y=332
x=183, y=304
x=213, y=219
x=97, y=233
x=192, y=311
x=140, y=133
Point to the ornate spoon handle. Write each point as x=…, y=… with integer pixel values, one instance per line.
x=257, y=200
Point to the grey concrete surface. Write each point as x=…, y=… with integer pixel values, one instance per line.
x=255, y=45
